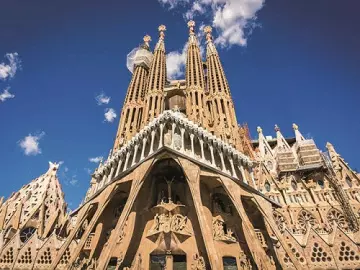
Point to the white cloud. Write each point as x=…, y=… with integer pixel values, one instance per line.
x=102, y=99
x=73, y=181
x=30, y=144
x=6, y=95
x=173, y=3
x=88, y=171
x=233, y=19
x=175, y=62
x=96, y=159
x=110, y=115
x=8, y=71
x=66, y=169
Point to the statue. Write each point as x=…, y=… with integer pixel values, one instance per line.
x=178, y=223
x=244, y=262
x=219, y=233
x=167, y=222
x=199, y=263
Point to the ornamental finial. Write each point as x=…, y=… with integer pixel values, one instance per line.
x=191, y=25
x=162, y=29
x=295, y=126
x=259, y=130
x=277, y=128
x=147, y=39
x=207, y=31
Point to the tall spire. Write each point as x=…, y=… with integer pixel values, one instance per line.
x=154, y=102
x=220, y=103
x=132, y=112
x=195, y=93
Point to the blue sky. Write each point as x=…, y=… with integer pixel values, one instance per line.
x=286, y=61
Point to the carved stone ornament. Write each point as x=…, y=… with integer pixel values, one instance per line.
x=219, y=232
x=199, y=263
x=244, y=262
x=169, y=223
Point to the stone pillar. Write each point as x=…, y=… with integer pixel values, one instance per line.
x=126, y=160
x=232, y=167
x=223, y=168
x=192, y=144
x=173, y=134
x=152, y=142
x=143, y=149
x=135, y=153
x=111, y=173
x=202, y=149
x=252, y=177
x=161, y=135
x=182, y=139
x=241, y=168
x=119, y=167
x=169, y=262
x=212, y=156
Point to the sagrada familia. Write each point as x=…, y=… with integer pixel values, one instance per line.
x=185, y=187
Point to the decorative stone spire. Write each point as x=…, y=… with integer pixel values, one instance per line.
x=281, y=142
x=154, y=101
x=264, y=147
x=39, y=205
x=195, y=92
x=298, y=135
x=132, y=111
x=219, y=101
x=334, y=156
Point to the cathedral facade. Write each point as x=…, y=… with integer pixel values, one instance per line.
x=185, y=187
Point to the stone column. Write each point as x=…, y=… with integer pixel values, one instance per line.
x=241, y=168
x=232, y=167
x=182, y=139
x=119, y=167
x=223, y=168
x=152, y=142
x=173, y=134
x=252, y=177
x=169, y=262
x=212, y=156
x=192, y=144
x=135, y=153
x=143, y=149
x=126, y=160
x=202, y=149
x=111, y=173
x=161, y=135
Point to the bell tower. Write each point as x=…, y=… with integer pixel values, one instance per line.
x=195, y=83
x=154, y=103
x=132, y=112
x=219, y=101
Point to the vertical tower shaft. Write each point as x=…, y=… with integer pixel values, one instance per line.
x=154, y=101
x=219, y=101
x=132, y=111
x=195, y=84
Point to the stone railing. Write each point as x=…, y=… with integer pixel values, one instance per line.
x=174, y=131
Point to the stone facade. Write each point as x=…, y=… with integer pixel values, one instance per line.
x=186, y=188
